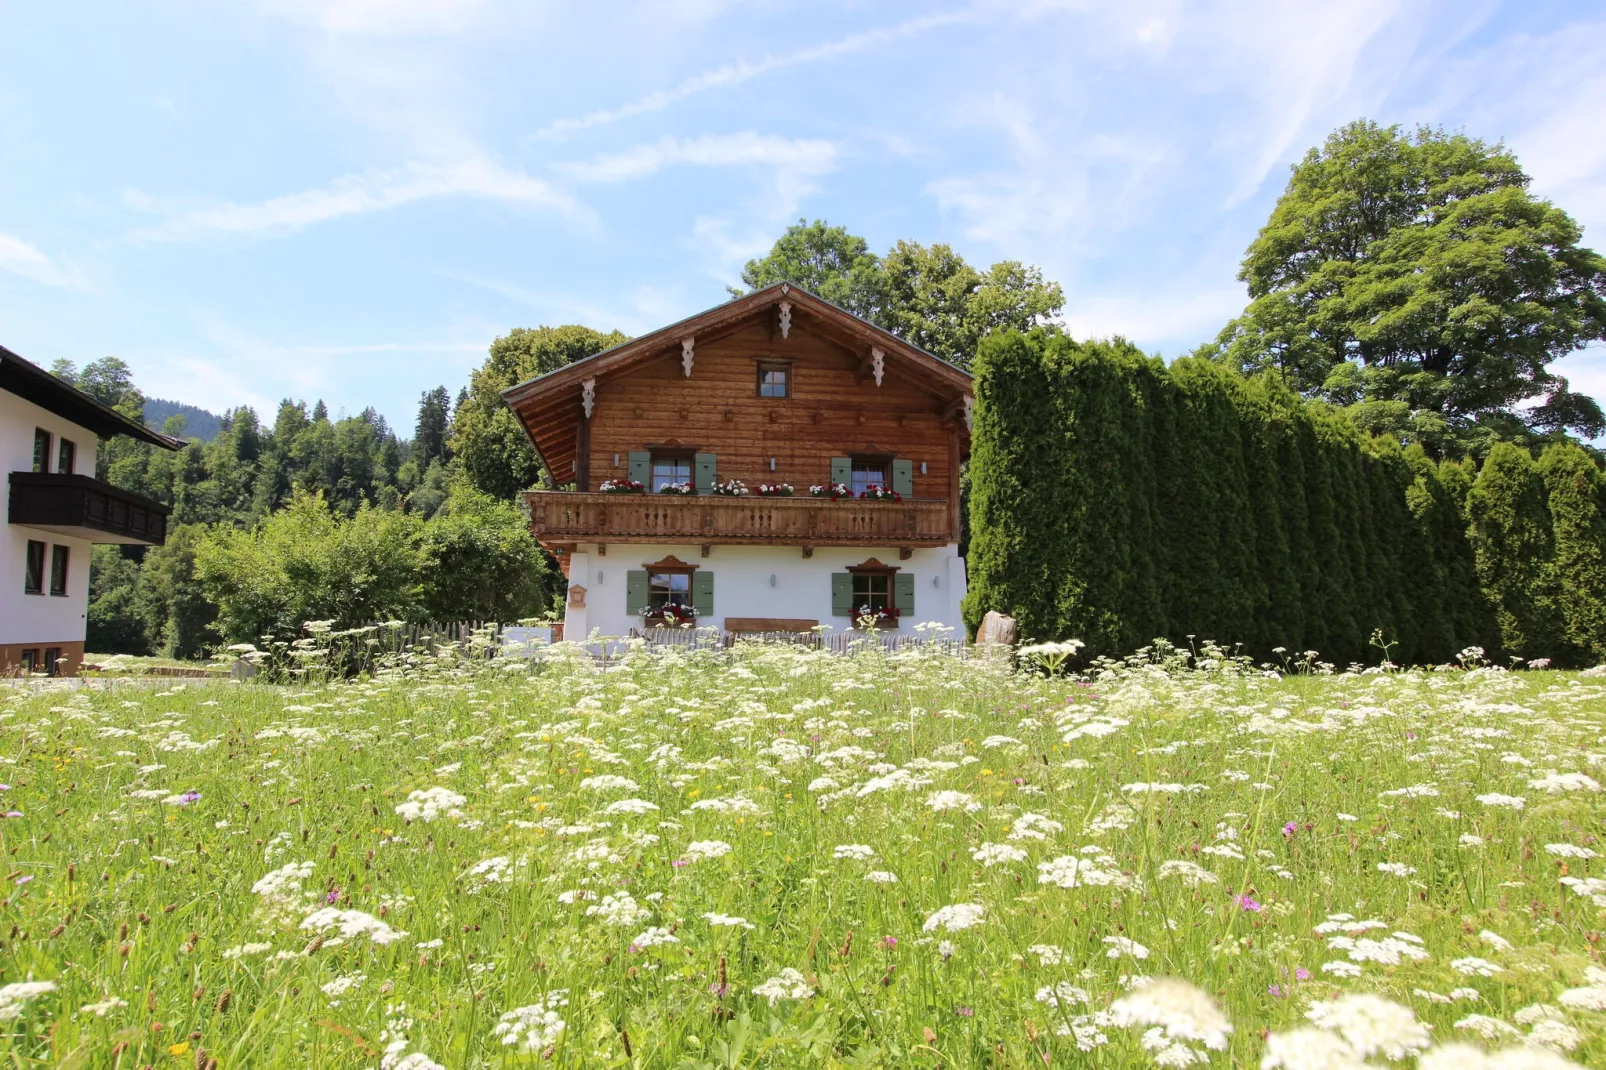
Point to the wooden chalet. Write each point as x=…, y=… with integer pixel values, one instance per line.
x=777, y=388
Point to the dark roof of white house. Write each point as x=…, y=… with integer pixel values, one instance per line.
x=32, y=383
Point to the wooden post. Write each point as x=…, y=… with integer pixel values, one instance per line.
x=582, y=456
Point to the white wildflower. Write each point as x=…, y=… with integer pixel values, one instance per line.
x=955, y=918
x=431, y=804
x=788, y=984
x=533, y=1028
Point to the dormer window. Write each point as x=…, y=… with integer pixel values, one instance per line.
x=774, y=380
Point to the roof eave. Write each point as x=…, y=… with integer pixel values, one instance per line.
x=733, y=309
x=104, y=420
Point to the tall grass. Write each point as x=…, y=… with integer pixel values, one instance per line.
x=470, y=826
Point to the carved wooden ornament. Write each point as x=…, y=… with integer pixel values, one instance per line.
x=786, y=318
x=588, y=396
x=878, y=363
x=686, y=354
x=577, y=597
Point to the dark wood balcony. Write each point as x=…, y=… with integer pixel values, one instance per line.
x=83, y=508
x=570, y=516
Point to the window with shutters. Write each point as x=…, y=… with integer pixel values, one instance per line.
x=868, y=472
x=872, y=591
x=667, y=589
x=670, y=469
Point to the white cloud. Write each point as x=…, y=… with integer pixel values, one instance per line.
x=800, y=156
x=745, y=70
x=20, y=258
x=371, y=191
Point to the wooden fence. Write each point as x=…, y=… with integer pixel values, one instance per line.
x=493, y=638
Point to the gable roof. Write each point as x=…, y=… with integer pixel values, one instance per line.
x=32, y=383
x=549, y=405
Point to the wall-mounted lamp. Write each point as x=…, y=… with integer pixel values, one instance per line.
x=772, y=579
x=599, y=577
x=936, y=581
x=922, y=464
x=616, y=461
x=772, y=464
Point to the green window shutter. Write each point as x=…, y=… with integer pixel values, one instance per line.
x=641, y=466
x=903, y=593
x=703, y=472
x=903, y=477
x=841, y=594
x=842, y=470
x=635, y=591
x=702, y=592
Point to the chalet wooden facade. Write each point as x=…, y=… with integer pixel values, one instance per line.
x=777, y=388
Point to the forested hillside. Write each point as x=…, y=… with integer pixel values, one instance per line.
x=198, y=423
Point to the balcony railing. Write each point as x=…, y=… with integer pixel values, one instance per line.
x=559, y=516
x=85, y=508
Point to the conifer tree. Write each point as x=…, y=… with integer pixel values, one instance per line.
x=1577, y=583
x=1018, y=475
x=1513, y=545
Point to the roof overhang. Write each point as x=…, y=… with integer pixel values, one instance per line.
x=32, y=383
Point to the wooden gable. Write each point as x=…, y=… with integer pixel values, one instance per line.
x=854, y=389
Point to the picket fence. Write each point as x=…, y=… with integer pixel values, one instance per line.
x=462, y=634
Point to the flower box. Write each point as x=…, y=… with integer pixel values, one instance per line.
x=730, y=488
x=886, y=617
x=775, y=490
x=670, y=616
x=834, y=491
x=877, y=493
x=622, y=486
x=677, y=488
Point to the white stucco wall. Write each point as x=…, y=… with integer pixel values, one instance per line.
x=40, y=618
x=743, y=587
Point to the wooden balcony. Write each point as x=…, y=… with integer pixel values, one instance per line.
x=570, y=516
x=85, y=508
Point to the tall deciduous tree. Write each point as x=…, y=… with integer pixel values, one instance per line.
x=486, y=437
x=927, y=295
x=1418, y=269
x=826, y=261
x=943, y=305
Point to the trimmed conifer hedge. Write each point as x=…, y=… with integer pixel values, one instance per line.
x=1116, y=500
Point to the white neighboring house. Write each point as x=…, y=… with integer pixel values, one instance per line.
x=773, y=390
x=57, y=510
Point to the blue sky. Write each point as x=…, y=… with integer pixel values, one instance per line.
x=349, y=199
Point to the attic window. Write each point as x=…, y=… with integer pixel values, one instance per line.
x=774, y=380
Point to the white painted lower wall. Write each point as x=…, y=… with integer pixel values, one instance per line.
x=40, y=619
x=760, y=581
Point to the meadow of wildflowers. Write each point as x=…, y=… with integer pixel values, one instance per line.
x=779, y=857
